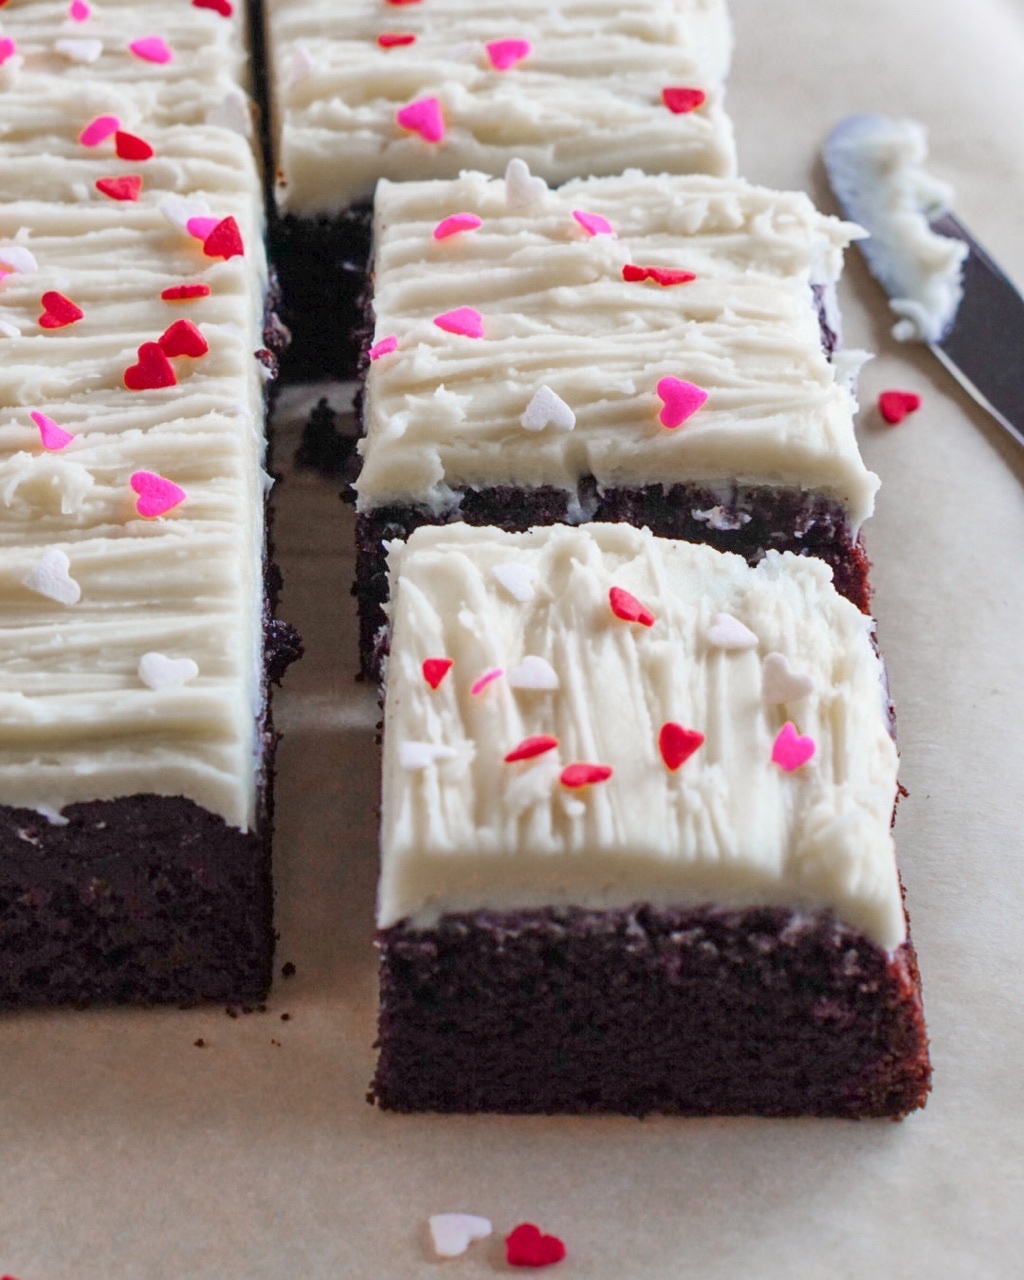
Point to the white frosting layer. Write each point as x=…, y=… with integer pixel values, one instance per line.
x=586, y=100
x=78, y=721
x=463, y=831
x=876, y=167
x=445, y=411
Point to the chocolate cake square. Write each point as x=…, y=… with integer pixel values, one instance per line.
x=636, y=847
x=649, y=349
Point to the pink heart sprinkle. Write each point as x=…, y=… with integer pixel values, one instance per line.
x=395, y=39
x=488, y=677
x=98, y=130
x=423, y=117
x=201, y=227
x=157, y=496
x=681, y=101
x=435, y=670
x=463, y=320
x=126, y=187
x=894, y=406
x=681, y=400
x=151, y=49
x=530, y=748
x=628, y=607
x=7, y=49
x=789, y=750
x=665, y=276
x=79, y=11
x=583, y=775
x=455, y=223
x=52, y=436
x=593, y=224
x=384, y=347
x=224, y=241
x=503, y=54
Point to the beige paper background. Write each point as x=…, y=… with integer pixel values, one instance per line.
x=126, y=1153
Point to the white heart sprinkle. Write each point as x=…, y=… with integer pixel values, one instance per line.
x=521, y=187
x=728, y=632
x=452, y=1233
x=233, y=113
x=160, y=672
x=51, y=577
x=547, y=409
x=780, y=683
x=8, y=330
x=517, y=579
x=534, y=673
x=178, y=209
x=418, y=755
x=15, y=257
x=79, y=50
x=80, y=192
x=302, y=65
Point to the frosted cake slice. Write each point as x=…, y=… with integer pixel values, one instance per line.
x=635, y=837
x=648, y=349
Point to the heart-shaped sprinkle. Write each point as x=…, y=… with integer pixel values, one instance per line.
x=780, y=683
x=53, y=437
x=677, y=744
x=463, y=321
x=182, y=338
x=894, y=406
x=152, y=370
x=395, y=39
x=790, y=751
x=680, y=399
x=521, y=188
x=160, y=672
x=232, y=112
x=482, y=681
x=51, y=576
x=130, y=147
x=7, y=49
x=435, y=670
x=180, y=210
x=58, y=311
x=79, y=11
x=452, y=1233
x=502, y=54
x=418, y=755
x=157, y=495
x=727, y=632
x=680, y=101
x=151, y=49
x=628, y=607
x=224, y=241
x=516, y=579
x=526, y=1246
x=183, y=292
x=81, y=51
x=593, y=224
x=538, y=745
x=302, y=65
x=223, y=7
x=534, y=673
x=546, y=409
x=126, y=187
x=583, y=775
x=665, y=276
x=455, y=223
x=384, y=347
x=422, y=117
x=15, y=257
x=396, y=3
x=201, y=226
x=99, y=130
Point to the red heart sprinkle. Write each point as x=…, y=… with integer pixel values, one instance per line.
x=629, y=608
x=130, y=147
x=153, y=370
x=394, y=39
x=435, y=670
x=895, y=405
x=224, y=241
x=530, y=747
x=398, y=2
x=183, y=339
x=223, y=7
x=680, y=101
x=677, y=744
x=582, y=775
x=182, y=292
x=664, y=276
x=58, y=311
x=527, y=1247
x=123, y=188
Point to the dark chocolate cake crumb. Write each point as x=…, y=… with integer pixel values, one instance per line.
x=286, y=1017
x=200, y=1043
x=287, y=970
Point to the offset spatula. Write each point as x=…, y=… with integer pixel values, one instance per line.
x=979, y=339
